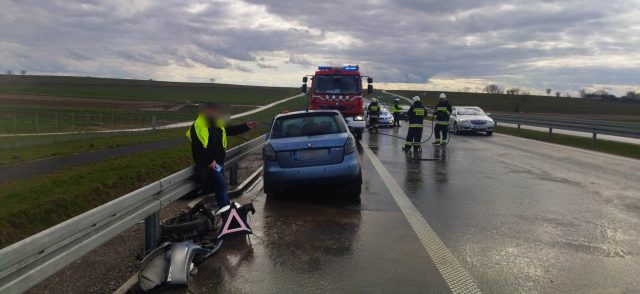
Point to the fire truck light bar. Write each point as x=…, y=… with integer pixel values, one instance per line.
x=348, y=68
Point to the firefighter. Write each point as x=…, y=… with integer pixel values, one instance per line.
x=208, y=137
x=443, y=110
x=416, y=114
x=395, y=110
x=374, y=114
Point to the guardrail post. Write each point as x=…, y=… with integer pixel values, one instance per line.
x=593, y=139
x=518, y=127
x=151, y=232
x=233, y=175
x=153, y=122
x=550, y=131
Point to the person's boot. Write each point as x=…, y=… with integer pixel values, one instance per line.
x=443, y=143
x=406, y=148
x=436, y=142
x=417, y=148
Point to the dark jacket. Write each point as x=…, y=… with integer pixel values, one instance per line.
x=416, y=114
x=443, y=111
x=214, y=151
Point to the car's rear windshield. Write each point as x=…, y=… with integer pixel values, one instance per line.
x=308, y=124
x=470, y=111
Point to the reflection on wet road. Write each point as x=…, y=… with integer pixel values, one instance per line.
x=518, y=215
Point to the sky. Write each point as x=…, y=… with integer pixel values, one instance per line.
x=454, y=45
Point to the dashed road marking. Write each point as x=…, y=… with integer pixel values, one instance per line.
x=456, y=277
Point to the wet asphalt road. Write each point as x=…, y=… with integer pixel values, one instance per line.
x=520, y=216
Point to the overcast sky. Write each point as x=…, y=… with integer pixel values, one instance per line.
x=427, y=44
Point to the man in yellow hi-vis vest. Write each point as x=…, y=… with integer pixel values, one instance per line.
x=396, y=110
x=208, y=136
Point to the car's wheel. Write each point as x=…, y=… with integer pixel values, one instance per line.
x=489, y=133
x=355, y=187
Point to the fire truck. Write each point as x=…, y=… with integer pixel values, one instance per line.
x=340, y=88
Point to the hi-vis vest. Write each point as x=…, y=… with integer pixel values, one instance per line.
x=396, y=108
x=374, y=107
x=202, y=131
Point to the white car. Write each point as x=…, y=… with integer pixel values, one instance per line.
x=470, y=119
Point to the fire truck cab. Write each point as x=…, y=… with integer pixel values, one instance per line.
x=340, y=88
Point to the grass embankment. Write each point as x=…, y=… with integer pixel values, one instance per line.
x=128, y=89
x=46, y=119
x=605, y=146
x=30, y=206
x=530, y=103
x=14, y=153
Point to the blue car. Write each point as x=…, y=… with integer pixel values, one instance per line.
x=311, y=149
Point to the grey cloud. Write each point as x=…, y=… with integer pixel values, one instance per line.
x=395, y=41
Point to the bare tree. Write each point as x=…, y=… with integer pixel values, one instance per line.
x=558, y=94
x=493, y=89
x=548, y=92
x=9, y=72
x=582, y=93
x=23, y=72
x=513, y=91
x=569, y=95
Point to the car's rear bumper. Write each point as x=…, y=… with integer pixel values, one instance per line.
x=276, y=177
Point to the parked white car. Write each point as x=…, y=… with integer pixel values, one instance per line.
x=470, y=119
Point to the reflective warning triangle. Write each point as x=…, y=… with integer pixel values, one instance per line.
x=233, y=214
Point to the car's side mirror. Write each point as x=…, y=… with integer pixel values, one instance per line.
x=370, y=89
x=304, y=88
x=488, y=113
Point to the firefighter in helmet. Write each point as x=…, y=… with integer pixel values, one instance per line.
x=416, y=114
x=442, y=113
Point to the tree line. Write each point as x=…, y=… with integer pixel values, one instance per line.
x=600, y=94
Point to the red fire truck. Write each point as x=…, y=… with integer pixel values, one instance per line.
x=340, y=88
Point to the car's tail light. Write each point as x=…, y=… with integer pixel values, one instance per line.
x=350, y=145
x=268, y=153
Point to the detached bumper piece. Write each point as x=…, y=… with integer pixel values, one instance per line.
x=172, y=262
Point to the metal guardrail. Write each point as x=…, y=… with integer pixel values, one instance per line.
x=595, y=127
x=30, y=261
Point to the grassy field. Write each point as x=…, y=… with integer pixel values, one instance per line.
x=531, y=103
x=107, y=88
x=29, y=206
x=66, y=104
x=14, y=154
x=52, y=120
x=611, y=147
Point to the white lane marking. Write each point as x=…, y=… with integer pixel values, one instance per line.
x=456, y=277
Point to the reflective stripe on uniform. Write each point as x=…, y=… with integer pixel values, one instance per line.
x=442, y=123
x=419, y=111
x=416, y=125
x=407, y=143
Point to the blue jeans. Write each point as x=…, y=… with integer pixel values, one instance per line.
x=214, y=181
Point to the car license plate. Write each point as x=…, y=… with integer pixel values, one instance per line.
x=310, y=154
x=479, y=127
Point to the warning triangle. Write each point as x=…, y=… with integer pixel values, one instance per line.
x=241, y=226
